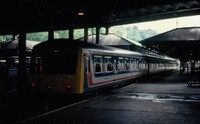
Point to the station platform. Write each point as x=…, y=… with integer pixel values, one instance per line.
x=163, y=99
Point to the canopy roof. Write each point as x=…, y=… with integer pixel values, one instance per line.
x=183, y=43
x=44, y=15
x=179, y=34
x=10, y=48
x=111, y=39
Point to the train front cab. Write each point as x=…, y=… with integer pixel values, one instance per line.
x=57, y=73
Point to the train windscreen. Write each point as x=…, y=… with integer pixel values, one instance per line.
x=54, y=64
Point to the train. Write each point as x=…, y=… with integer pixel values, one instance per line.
x=121, y=42
x=77, y=67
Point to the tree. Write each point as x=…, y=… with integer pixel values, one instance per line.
x=5, y=38
x=61, y=34
x=39, y=36
x=78, y=33
x=132, y=32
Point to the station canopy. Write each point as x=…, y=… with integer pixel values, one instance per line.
x=183, y=43
x=10, y=48
x=43, y=15
x=111, y=40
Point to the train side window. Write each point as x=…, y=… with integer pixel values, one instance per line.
x=120, y=64
x=98, y=64
x=140, y=65
x=134, y=64
x=146, y=65
x=131, y=64
x=114, y=64
x=108, y=63
x=137, y=66
x=143, y=64
x=154, y=65
x=151, y=65
x=127, y=64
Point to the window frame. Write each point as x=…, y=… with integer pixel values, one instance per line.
x=100, y=63
x=120, y=64
x=106, y=63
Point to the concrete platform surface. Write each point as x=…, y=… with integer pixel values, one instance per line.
x=162, y=100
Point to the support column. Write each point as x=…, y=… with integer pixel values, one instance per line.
x=107, y=30
x=22, y=70
x=85, y=34
x=13, y=37
x=97, y=35
x=71, y=34
x=50, y=35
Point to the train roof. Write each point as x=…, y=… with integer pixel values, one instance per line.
x=120, y=42
x=111, y=39
x=71, y=46
x=66, y=45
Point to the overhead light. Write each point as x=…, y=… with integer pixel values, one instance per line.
x=55, y=51
x=81, y=13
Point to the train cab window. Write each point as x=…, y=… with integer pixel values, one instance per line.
x=108, y=63
x=98, y=64
x=57, y=63
x=120, y=64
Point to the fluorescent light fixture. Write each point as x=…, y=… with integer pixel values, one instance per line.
x=81, y=13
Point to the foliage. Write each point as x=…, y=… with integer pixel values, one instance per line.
x=78, y=33
x=91, y=31
x=133, y=33
x=39, y=36
x=61, y=34
x=130, y=32
x=5, y=38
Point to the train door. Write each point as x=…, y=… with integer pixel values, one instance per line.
x=36, y=69
x=87, y=73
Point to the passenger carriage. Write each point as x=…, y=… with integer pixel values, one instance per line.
x=75, y=67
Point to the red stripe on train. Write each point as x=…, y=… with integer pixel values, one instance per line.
x=90, y=83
